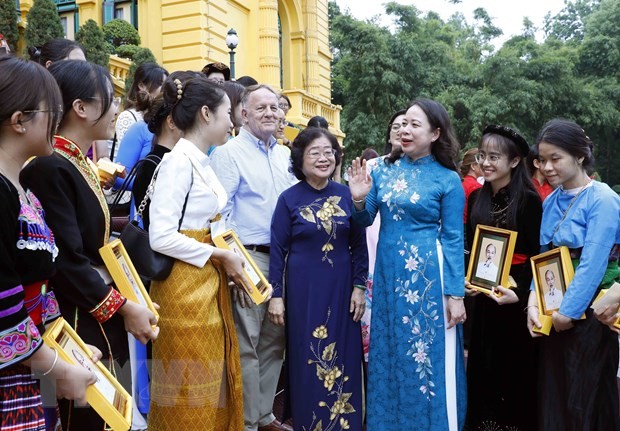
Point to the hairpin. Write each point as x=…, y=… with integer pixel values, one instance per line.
x=179, y=85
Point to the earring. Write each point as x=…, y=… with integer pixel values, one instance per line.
x=23, y=129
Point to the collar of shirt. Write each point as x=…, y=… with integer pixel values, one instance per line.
x=249, y=137
x=193, y=152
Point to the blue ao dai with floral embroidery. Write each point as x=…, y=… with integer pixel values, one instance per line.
x=321, y=255
x=416, y=378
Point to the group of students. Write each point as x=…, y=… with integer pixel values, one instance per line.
x=57, y=217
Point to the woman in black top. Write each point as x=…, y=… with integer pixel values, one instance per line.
x=68, y=187
x=501, y=368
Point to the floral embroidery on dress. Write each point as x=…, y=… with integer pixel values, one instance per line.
x=423, y=316
x=34, y=233
x=392, y=189
x=19, y=342
x=332, y=375
x=322, y=213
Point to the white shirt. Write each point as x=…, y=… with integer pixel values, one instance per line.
x=253, y=177
x=124, y=121
x=553, y=299
x=487, y=271
x=184, y=164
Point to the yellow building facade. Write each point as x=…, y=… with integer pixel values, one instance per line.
x=283, y=43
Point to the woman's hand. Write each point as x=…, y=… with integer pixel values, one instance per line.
x=275, y=312
x=508, y=295
x=561, y=322
x=608, y=315
x=359, y=180
x=456, y=312
x=139, y=322
x=97, y=355
x=72, y=381
x=358, y=304
x=532, y=315
x=469, y=290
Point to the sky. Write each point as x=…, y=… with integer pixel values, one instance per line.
x=506, y=14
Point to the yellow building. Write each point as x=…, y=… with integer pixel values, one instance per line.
x=283, y=43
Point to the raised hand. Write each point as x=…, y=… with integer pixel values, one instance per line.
x=359, y=180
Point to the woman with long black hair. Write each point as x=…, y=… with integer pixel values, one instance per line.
x=499, y=339
x=68, y=187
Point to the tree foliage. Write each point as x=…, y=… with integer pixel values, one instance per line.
x=119, y=32
x=8, y=23
x=91, y=37
x=43, y=23
x=574, y=73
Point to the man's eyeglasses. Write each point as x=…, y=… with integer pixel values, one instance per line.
x=493, y=158
x=314, y=155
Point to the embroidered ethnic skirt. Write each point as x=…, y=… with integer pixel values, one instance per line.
x=21, y=408
x=196, y=377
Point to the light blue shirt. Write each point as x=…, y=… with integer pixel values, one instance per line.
x=592, y=222
x=253, y=178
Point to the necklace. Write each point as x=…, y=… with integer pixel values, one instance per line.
x=569, y=207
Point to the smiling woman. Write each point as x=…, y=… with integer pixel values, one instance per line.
x=323, y=257
x=418, y=277
x=68, y=187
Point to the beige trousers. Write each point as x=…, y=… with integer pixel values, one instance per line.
x=261, y=346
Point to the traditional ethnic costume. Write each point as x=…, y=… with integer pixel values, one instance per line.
x=196, y=381
x=416, y=372
x=323, y=254
x=578, y=366
x=501, y=365
x=27, y=254
x=68, y=187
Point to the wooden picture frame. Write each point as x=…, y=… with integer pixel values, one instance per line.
x=552, y=273
x=491, y=259
x=261, y=290
x=107, y=396
x=124, y=274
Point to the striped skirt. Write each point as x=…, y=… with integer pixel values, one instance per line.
x=20, y=407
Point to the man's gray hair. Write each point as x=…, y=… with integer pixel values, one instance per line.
x=252, y=88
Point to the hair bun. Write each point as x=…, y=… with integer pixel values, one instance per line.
x=179, y=86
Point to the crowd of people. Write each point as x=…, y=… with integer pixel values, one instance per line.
x=203, y=154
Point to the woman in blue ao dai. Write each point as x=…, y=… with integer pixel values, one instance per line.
x=416, y=377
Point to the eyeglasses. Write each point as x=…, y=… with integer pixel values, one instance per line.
x=481, y=157
x=283, y=106
x=314, y=155
x=395, y=127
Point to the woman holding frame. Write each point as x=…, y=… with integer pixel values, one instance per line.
x=67, y=184
x=579, y=360
x=507, y=200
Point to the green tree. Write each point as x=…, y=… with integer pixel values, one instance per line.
x=8, y=23
x=569, y=23
x=91, y=37
x=119, y=32
x=43, y=23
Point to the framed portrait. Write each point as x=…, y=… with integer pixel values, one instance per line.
x=125, y=275
x=491, y=258
x=106, y=396
x=261, y=289
x=552, y=273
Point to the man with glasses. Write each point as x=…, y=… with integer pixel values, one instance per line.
x=254, y=170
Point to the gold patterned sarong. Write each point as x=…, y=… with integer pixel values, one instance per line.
x=196, y=377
